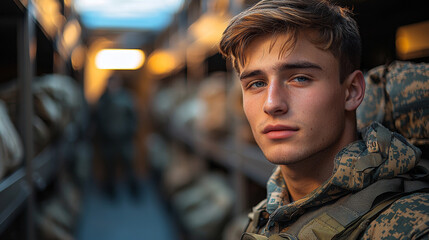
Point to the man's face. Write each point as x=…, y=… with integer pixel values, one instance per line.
x=294, y=102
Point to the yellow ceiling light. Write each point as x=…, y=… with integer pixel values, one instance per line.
x=95, y=80
x=162, y=62
x=208, y=29
x=120, y=59
x=71, y=34
x=78, y=57
x=48, y=14
x=412, y=41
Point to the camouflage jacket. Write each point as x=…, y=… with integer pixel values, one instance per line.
x=361, y=164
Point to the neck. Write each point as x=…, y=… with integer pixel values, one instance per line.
x=303, y=178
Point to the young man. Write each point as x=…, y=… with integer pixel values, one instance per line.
x=298, y=64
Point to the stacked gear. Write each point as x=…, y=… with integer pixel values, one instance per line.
x=397, y=95
x=11, y=149
x=204, y=206
x=57, y=99
x=211, y=120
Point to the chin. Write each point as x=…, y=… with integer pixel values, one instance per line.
x=282, y=157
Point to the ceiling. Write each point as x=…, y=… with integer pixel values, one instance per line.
x=148, y=15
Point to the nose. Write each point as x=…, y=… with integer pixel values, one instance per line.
x=275, y=102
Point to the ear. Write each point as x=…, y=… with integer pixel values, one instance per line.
x=355, y=90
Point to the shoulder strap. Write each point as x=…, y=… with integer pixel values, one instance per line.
x=279, y=236
x=348, y=213
x=416, y=181
x=253, y=236
x=329, y=218
x=354, y=230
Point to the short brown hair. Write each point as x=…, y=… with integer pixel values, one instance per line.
x=338, y=31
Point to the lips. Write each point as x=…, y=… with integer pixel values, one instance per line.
x=276, y=132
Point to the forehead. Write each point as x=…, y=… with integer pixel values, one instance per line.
x=267, y=49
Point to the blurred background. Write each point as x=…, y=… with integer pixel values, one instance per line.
x=119, y=119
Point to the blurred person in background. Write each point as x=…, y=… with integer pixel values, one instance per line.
x=298, y=62
x=116, y=123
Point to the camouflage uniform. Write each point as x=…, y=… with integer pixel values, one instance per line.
x=362, y=164
x=397, y=95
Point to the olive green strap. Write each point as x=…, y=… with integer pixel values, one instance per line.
x=253, y=236
x=279, y=236
x=324, y=227
x=372, y=160
x=354, y=230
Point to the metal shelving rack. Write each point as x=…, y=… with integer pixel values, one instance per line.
x=225, y=153
x=17, y=190
x=14, y=192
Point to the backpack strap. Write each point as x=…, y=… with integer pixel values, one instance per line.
x=417, y=180
x=279, y=236
x=355, y=229
x=329, y=220
x=253, y=236
x=350, y=215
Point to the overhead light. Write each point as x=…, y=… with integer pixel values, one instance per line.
x=121, y=59
x=162, y=62
x=412, y=41
x=208, y=29
x=78, y=57
x=71, y=34
x=48, y=14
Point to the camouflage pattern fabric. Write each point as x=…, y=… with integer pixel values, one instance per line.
x=397, y=95
x=407, y=218
x=353, y=173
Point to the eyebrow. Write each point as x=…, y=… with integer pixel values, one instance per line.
x=282, y=67
x=245, y=75
x=298, y=65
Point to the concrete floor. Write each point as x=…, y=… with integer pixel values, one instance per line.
x=125, y=218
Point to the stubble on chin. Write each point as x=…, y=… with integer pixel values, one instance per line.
x=285, y=156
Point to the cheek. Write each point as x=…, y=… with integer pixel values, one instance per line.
x=248, y=111
x=250, y=101
x=252, y=111
x=325, y=107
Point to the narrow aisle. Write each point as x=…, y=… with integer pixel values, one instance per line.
x=125, y=217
